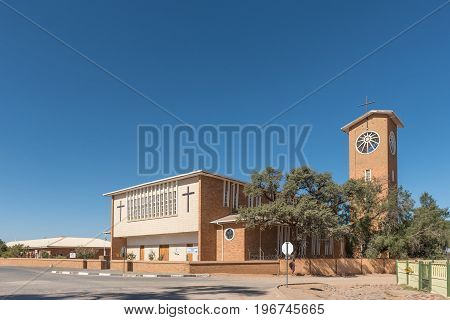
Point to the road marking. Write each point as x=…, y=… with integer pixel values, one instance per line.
x=149, y=275
x=176, y=275
x=65, y=272
x=83, y=273
x=53, y=271
x=104, y=274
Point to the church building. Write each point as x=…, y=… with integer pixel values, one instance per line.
x=192, y=216
x=188, y=217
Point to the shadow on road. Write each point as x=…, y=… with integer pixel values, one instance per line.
x=183, y=293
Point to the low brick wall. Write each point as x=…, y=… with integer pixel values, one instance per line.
x=321, y=267
x=340, y=266
x=42, y=263
x=243, y=267
x=151, y=267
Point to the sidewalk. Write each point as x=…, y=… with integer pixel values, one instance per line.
x=117, y=273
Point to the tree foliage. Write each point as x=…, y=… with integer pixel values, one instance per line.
x=427, y=233
x=3, y=247
x=308, y=202
x=15, y=251
x=85, y=253
x=375, y=222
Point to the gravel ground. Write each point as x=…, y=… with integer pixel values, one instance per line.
x=368, y=287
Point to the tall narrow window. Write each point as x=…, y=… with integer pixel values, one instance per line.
x=235, y=191
x=368, y=175
x=174, y=202
x=157, y=204
x=393, y=176
x=258, y=201
x=226, y=193
x=250, y=202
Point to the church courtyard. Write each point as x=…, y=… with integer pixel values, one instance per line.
x=33, y=283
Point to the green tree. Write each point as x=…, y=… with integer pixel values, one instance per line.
x=3, y=247
x=426, y=234
x=390, y=238
x=85, y=253
x=308, y=202
x=15, y=251
x=363, y=208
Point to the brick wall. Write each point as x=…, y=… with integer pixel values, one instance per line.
x=242, y=267
x=211, y=208
x=42, y=263
x=341, y=266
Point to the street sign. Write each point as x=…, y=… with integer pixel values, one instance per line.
x=287, y=248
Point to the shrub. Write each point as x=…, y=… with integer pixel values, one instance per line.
x=15, y=251
x=3, y=247
x=161, y=257
x=85, y=253
x=151, y=255
x=45, y=255
x=131, y=256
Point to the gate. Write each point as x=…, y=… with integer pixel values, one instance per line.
x=425, y=276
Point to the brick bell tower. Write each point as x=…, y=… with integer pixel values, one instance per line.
x=373, y=147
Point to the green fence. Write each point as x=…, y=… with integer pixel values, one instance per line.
x=426, y=275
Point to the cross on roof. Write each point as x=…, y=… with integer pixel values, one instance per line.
x=366, y=105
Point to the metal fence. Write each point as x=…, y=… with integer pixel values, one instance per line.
x=426, y=275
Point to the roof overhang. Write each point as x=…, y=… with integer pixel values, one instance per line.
x=177, y=177
x=389, y=113
x=227, y=219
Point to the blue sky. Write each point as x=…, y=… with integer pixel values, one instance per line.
x=68, y=130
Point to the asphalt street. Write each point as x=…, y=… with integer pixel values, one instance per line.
x=33, y=283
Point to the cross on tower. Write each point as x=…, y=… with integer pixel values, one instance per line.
x=366, y=104
x=188, y=194
x=120, y=206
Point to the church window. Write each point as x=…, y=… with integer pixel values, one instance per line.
x=315, y=246
x=367, y=142
x=329, y=247
x=174, y=202
x=393, y=176
x=226, y=193
x=250, y=202
x=229, y=234
x=235, y=189
x=368, y=175
x=152, y=202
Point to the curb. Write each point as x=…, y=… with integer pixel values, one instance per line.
x=129, y=275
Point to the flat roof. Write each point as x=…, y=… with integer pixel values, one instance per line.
x=390, y=113
x=177, y=177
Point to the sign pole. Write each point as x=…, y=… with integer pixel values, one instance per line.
x=287, y=249
x=287, y=267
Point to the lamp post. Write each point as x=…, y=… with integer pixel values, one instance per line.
x=104, y=244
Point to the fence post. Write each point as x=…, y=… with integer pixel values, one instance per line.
x=420, y=274
x=430, y=276
x=407, y=273
x=448, y=279
x=396, y=271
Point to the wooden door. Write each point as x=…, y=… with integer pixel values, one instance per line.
x=164, y=252
x=141, y=253
x=189, y=255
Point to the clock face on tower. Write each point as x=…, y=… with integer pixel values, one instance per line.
x=392, y=143
x=367, y=142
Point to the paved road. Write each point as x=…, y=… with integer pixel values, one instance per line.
x=30, y=283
